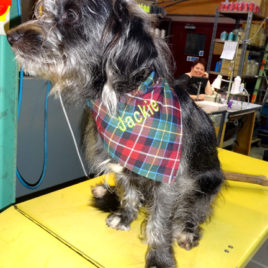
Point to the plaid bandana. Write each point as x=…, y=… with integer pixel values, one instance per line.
x=146, y=133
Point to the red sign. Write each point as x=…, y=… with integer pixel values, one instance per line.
x=4, y=4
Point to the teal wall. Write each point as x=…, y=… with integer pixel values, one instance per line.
x=8, y=120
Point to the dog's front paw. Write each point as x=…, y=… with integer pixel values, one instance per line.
x=115, y=221
x=188, y=240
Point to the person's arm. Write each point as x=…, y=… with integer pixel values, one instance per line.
x=200, y=97
x=208, y=89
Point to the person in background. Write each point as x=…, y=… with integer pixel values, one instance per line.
x=184, y=81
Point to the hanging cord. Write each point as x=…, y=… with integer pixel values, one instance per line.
x=20, y=92
x=19, y=8
x=72, y=134
x=255, y=34
x=32, y=186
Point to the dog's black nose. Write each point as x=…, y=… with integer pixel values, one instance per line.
x=13, y=37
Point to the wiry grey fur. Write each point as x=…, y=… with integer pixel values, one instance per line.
x=102, y=49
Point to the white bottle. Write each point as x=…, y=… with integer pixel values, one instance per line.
x=236, y=85
x=248, y=68
x=241, y=89
x=256, y=68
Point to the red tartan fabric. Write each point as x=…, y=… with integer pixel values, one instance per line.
x=145, y=135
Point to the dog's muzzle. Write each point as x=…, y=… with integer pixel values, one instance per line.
x=14, y=36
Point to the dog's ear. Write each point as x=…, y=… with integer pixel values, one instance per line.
x=129, y=50
x=121, y=12
x=131, y=44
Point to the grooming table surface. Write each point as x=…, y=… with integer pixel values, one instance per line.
x=62, y=229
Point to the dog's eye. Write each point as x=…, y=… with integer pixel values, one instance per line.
x=70, y=16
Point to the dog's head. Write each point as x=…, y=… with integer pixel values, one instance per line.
x=90, y=46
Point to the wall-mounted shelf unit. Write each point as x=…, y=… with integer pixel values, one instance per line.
x=244, y=46
x=241, y=15
x=260, y=94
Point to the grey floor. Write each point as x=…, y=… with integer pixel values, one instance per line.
x=257, y=151
x=260, y=260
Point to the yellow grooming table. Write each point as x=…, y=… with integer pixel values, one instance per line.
x=62, y=229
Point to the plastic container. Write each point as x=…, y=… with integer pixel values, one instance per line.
x=236, y=85
x=235, y=34
x=224, y=36
x=245, y=6
x=251, y=6
x=230, y=6
x=235, y=6
x=247, y=68
x=240, y=34
x=240, y=6
x=252, y=67
x=241, y=88
x=216, y=67
x=224, y=6
x=231, y=36
x=255, y=68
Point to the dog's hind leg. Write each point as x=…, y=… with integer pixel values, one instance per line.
x=187, y=219
x=159, y=230
x=105, y=198
x=194, y=207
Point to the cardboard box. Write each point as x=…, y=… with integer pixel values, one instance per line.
x=262, y=5
x=255, y=33
x=226, y=64
x=218, y=48
x=262, y=38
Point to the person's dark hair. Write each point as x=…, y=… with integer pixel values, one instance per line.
x=201, y=61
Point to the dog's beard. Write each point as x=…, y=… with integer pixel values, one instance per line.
x=44, y=68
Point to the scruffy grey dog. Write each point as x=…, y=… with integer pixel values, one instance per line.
x=103, y=49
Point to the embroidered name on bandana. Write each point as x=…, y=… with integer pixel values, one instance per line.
x=145, y=136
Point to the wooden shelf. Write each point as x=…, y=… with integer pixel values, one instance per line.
x=243, y=76
x=240, y=15
x=222, y=41
x=240, y=95
x=217, y=73
x=249, y=47
x=246, y=47
x=250, y=76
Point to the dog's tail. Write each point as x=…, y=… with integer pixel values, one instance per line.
x=105, y=199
